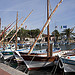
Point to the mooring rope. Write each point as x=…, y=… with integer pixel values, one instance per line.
x=55, y=68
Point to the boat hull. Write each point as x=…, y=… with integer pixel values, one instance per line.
x=36, y=62
x=7, y=53
x=34, y=65
x=40, y=54
x=68, y=61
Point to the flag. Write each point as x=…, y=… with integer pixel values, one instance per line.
x=25, y=27
x=55, y=26
x=61, y=27
x=64, y=26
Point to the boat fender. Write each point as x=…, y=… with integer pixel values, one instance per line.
x=68, y=57
x=61, y=66
x=1, y=55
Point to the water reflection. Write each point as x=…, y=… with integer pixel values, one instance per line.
x=67, y=47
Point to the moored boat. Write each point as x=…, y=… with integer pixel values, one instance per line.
x=41, y=52
x=34, y=61
x=69, y=57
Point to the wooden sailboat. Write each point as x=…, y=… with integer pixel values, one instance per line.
x=10, y=30
x=37, y=52
x=36, y=62
x=9, y=52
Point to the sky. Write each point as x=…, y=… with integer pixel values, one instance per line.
x=64, y=15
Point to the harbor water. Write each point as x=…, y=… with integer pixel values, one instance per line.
x=67, y=47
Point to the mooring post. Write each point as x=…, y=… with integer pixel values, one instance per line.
x=51, y=49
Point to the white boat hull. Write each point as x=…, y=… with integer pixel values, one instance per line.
x=40, y=53
x=68, y=61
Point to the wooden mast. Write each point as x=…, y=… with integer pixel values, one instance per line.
x=16, y=31
x=20, y=26
x=0, y=28
x=46, y=24
x=8, y=26
x=4, y=39
x=9, y=31
x=48, y=41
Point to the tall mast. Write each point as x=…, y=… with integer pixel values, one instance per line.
x=0, y=24
x=48, y=52
x=10, y=29
x=0, y=27
x=20, y=27
x=46, y=24
x=16, y=31
x=4, y=39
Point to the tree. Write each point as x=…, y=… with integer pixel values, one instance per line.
x=35, y=32
x=56, y=34
x=67, y=32
x=11, y=33
x=22, y=33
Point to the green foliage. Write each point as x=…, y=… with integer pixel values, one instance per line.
x=67, y=32
x=34, y=33
x=11, y=33
x=22, y=33
x=4, y=33
x=56, y=34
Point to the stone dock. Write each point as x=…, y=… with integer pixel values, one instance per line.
x=7, y=70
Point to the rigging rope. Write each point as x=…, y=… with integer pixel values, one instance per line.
x=50, y=6
x=7, y=28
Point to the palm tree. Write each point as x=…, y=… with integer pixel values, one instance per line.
x=56, y=34
x=68, y=32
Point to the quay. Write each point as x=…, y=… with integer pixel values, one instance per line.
x=7, y=70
